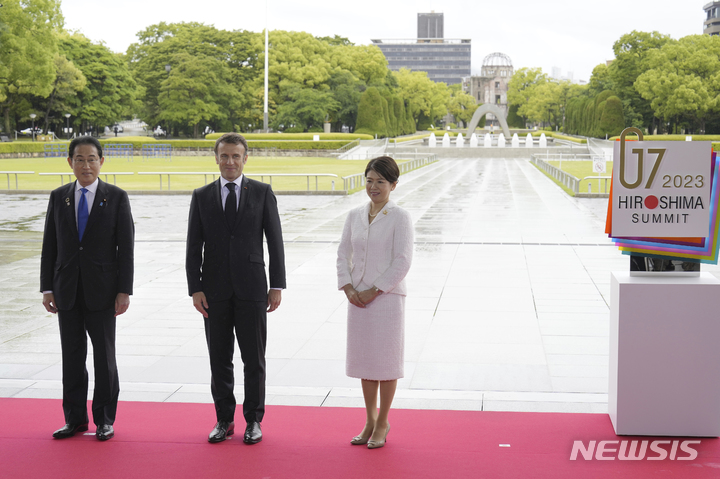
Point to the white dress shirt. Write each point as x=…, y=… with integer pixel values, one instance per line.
x=89, y=196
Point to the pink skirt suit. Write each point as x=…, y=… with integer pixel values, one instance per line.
x=376, y=254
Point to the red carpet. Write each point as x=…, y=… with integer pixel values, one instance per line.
x=168, y=440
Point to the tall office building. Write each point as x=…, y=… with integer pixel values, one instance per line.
x=430, y=25
x=711, y=25
x=444, y=59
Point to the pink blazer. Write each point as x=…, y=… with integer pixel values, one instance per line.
x=378, y=253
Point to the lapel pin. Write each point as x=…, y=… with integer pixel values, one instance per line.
x=67, y=201
x=385, y=212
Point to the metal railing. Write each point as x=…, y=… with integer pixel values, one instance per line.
x=606, y=178
x=566, y=179
x=261, y=175
x=569, y=181
x=602, y=148
x=348, y=147
x=358, y=180
x=16, y=173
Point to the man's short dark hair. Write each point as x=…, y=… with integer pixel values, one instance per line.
x=85, y=140
x=233, y=139
x=385, y=167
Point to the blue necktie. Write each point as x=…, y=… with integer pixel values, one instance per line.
x=82, y=213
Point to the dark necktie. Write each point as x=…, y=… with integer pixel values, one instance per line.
x=230, y=205
x=82, y=213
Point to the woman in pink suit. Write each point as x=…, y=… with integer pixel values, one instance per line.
x=374, y=256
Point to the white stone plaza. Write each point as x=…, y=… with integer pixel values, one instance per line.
x=508, y=306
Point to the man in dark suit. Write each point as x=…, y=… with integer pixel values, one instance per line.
x=227, y=281
x=86, y=277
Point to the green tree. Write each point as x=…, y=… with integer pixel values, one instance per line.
x=69, y=80
x=305, y=108
x=521, y=90
x=109, y=88
x=631, y=51
x=346, y=91
x=461, y=105
x=428, y=100
x=612, y=122
x=197, y=90
x=239, y=53
x=28, y=45
x=683, y=79
x=371, y=119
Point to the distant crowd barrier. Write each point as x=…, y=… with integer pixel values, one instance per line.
x=118, y=150
x=158, y=150
x=55, y=150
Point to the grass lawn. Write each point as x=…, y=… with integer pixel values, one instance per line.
x=582, y=169
x=303, y=165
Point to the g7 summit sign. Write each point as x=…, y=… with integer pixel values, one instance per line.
x=661, y=189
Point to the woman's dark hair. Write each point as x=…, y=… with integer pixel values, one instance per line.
x=385, y=167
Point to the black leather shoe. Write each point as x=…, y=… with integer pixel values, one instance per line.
x=104, y=432
x=222, y=430
x=253, y=433
x=69, y=430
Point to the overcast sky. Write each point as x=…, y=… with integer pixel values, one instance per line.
x=573, y=35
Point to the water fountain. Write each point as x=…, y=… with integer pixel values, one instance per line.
x=459, y=141
x=432, y=141
x=446, y=140
x=501, y=140
x=473, y=141
x=515, y=140
x=543, y=141
x=487, y=141
x=528, y=141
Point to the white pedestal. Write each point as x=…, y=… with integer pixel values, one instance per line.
x=665, y=355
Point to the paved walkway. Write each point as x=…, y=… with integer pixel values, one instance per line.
x=508, y=306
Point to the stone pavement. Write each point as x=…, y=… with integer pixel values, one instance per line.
x=508, y=306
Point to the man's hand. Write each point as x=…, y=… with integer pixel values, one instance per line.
x=274, y=298
x=49, y=303
x=200, y=303
x=122, y=301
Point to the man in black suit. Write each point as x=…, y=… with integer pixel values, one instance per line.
x=86, y=277
x=226, y=279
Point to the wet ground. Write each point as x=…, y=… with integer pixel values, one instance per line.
x=508, y=306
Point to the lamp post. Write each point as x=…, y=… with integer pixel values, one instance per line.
x=67, y=123
x=32, y=117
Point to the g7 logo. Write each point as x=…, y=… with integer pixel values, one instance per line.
x=660, y=152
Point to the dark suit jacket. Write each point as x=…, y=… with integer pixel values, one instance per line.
x=221, y=260
x=104, y=256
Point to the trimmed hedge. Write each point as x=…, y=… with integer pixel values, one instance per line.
x=22, y=147
x=138, y=142
x=552, y=134
x=671, y=137
x=295, y=136
x=298, y=145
